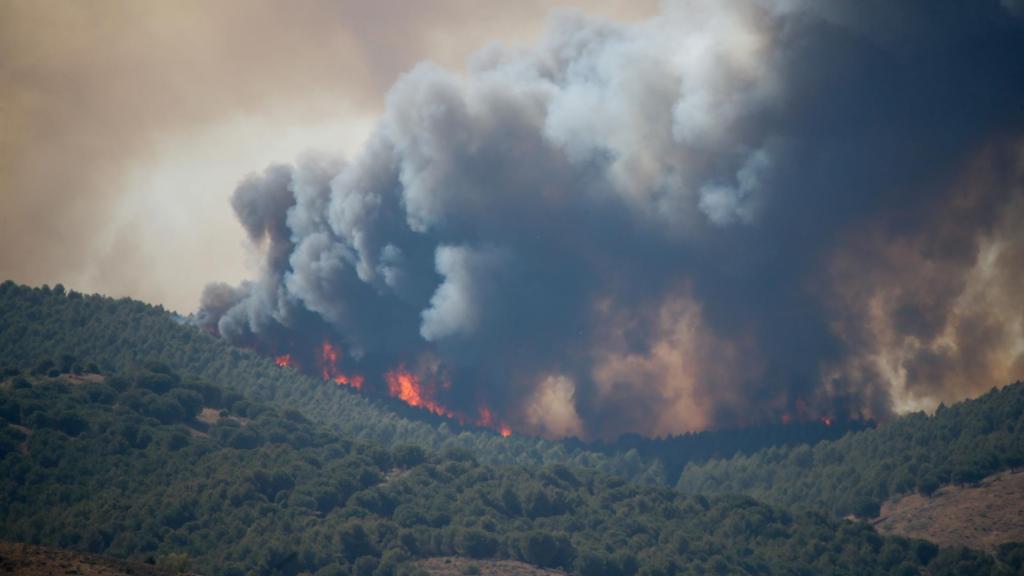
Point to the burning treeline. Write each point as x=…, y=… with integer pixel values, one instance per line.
x=733, y=213
x=418, y=391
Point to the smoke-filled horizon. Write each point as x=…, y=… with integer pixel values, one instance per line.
x=725, y=215
x=126, y=125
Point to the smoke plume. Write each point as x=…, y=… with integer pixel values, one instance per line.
x=728, y=214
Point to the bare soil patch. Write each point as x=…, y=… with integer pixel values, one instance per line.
x=83, y=378
x=981, y=517
x=211, y=416
x=29, y=560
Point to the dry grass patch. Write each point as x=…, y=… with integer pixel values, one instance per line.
x=28, y=560
x=981, y=517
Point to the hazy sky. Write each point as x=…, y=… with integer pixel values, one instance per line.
x=125, y=126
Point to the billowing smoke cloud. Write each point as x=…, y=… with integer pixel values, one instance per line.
x=729, y=213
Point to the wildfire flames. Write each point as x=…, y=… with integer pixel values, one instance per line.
x=353, y=381
x=410, y=389
x=328, y=360
x=402, y=384
x=421, y=391
x=329, y=370
x=803, y=414
x=486, y=419
x=406, y=387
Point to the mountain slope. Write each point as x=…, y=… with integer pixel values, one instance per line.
x=37, y=324
x=27, y=560
x=986, y=516
x=42, y=323
x=853, y=474
x=960, y=444
x=120, y=465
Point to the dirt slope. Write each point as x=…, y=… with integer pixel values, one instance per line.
x=28, y=560
x=980, y=517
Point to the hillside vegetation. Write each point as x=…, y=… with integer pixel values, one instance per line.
x=44, y=328
x=959, y=445
x=120, y=465
x=126, y=431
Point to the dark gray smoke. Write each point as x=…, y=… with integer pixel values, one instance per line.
x=708, y=219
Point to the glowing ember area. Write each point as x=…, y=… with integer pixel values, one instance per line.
x=406, y=387
x=330, y=371
x=486, y=418
x=411, y=389
x=328, y=359
x=788, y=418
x=353, y=381
x=414, y=390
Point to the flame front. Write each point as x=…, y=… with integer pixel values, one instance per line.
x=415, y=390
x=405, y=386
x=486, y=418
x=353, y=381
x=330, y=371
x=412, y=390
x=328, y=360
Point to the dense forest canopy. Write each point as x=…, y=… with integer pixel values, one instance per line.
x=127, y=431
x=960, y=444
x=46, y=324
x=153, y=465
x=43, y=324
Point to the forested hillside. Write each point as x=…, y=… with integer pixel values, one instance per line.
x=673, y=453
x=44, y=326
x=44, y=330
x=960, y=444
x=152, y=465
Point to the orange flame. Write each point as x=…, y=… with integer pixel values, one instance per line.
x=403, y=385
x=329, y=368
x=328, y=359
x=486, y=419
x=353, y=381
